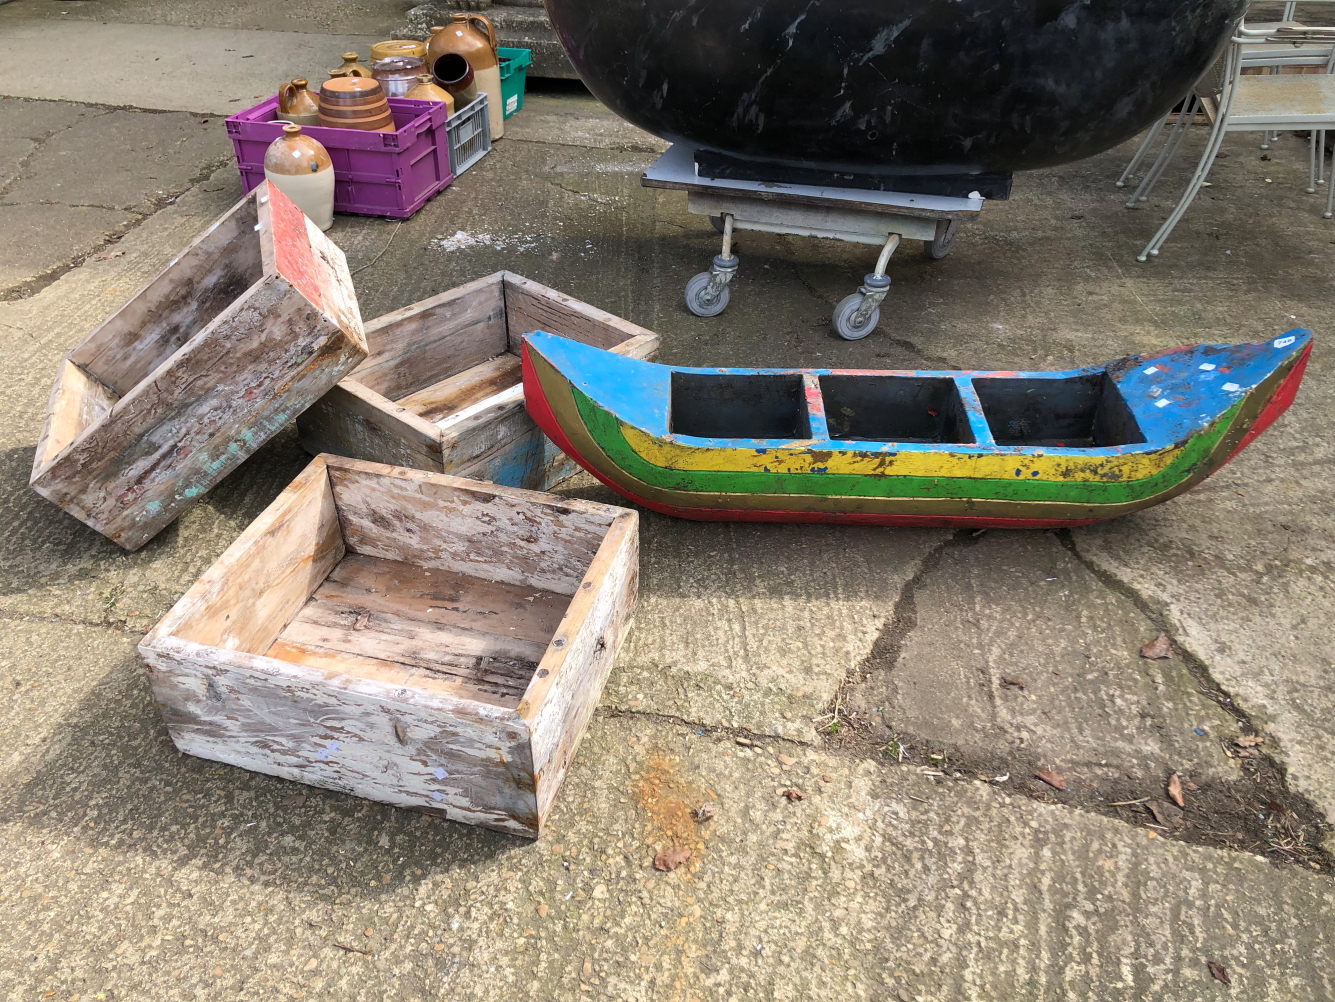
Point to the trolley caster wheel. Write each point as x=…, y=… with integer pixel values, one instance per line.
x=716, y=222
x=940, y=245
x=845, y=322
x=701, y=300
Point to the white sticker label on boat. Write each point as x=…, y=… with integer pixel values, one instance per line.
x=1208, y=367
x=1151, y=370
x=1284, y=342
x=1231, y=387
x=1161, y=402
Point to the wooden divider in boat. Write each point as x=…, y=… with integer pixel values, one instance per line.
x=441, y=389
x=236, y=337
x=409, y=637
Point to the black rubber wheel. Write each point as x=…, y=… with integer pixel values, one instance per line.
x=844, y=324
x=940, y=245
x=698, y=300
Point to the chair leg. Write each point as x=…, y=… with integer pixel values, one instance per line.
x=1193, y=189
x=1170, y=147
x=1311, y=164
x=1150, y=137
x=1330, y=196
x=1321, y=157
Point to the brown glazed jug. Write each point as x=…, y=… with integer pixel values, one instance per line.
x=350, y=67
x=301, y=169
x=473, y=37
x=296, y=104
x=426, y=90
x=355, y=103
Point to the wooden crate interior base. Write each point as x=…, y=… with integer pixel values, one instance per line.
x=484, y=638
x=442, y=387
x=448, y=640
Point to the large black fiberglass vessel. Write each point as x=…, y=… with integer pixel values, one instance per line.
x=936, y=85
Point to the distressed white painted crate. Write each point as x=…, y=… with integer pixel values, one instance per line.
x=408, y=637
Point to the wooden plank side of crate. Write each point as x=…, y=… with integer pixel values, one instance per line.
x=499, y=533
x=211, y=274
x=531, y=306
x=355, y=421
x=167, y=442
x=429, y=341
x=387, y=738
x=527, y=459
x=77, y=402
x=254, y=589
x=560, y=700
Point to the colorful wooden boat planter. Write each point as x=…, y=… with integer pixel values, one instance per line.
x=442, y=391
x=1005, y=449
x=408, y=637
x=232, y=340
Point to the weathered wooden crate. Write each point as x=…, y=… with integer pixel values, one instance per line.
x=442, y=388
x=409, y=637
x=233, y=339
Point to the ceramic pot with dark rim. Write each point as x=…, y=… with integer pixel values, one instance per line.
x=452, y=72
x=355, y=103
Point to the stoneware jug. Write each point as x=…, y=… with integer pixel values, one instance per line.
x=398, y=74
x=355, y=103
x=397, y=47
x=350, y=67
x=473, y=37
x=453, y=74
x=426, y=90
x=300, y=168
x=296, y=104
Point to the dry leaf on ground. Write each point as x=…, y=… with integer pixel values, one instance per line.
x=1175, y=790
x=668, y=860
x=705, y=812
x=294, y=800
x=1218, y=972
x=1016, y=682
x=1157, y=648
x=1053, y=779
x=1249, y=741
x=794, y=795
x=1165, y=813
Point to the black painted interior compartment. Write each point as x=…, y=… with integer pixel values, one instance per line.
x=724, y=405
x=1078, y=412
x=895, y=409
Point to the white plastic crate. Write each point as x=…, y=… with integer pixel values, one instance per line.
x=469, y=132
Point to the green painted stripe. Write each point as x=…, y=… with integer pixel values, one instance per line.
x=606, y=431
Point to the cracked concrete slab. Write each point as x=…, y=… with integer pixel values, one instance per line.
x=1007, y=645
x=378, y=18
x=41, y=237
x=26, y=123
x=987, y=895
x=211, y=882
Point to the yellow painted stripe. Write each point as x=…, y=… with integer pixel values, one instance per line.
x=929, y=463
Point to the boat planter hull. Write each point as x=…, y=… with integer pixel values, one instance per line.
x=416, y=639
x=231, y=341
x=980, y=449
x=441, y=389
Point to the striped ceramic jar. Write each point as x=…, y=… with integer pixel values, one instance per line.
x=355, y=103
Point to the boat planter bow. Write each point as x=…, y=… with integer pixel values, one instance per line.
x=1000, y=449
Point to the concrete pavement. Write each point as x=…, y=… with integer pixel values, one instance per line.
x=873, y=670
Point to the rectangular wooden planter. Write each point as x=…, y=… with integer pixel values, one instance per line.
x=442, y=388
x=233, y=339
x=408, y=637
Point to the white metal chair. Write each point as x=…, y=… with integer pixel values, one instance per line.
x=1273, y=102
x=1291, y=48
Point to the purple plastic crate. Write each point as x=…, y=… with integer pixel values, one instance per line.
x=375, y=173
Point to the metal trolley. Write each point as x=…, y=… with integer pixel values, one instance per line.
x=859, y=215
